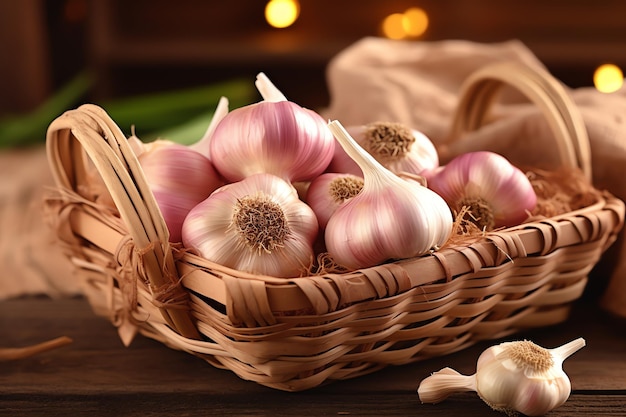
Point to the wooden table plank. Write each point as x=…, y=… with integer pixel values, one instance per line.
x=97, y=375
x=185, y=404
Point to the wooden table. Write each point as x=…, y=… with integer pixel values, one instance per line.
x=97, y=376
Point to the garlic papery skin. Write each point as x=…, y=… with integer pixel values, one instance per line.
x=179, y=178
x=396, y=146
x=274, y=136
x=329, y=191
x=391, y=218
x=257, y=225
x=497, y=193
x=512, y=377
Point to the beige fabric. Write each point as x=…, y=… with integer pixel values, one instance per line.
x=30, y=258
x=417, y=83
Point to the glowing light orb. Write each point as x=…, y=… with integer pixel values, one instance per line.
x=393, y=26
x=282, y=13
x=410, y=24
x=608, y=78
x=415, y=21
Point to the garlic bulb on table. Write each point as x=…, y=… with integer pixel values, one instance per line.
x=497, y=193
x=274, y=136
x=391, y=218
x=510, y=377
x=396, y=146
x=257, y=225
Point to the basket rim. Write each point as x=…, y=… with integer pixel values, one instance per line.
x=286, y=294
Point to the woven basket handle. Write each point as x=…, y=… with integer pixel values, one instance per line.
x=480, y=90
x=91, y=130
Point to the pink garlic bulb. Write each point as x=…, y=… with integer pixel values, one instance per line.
x=179, y=178
x=497, y=193
x=274, y=136
x=391, y=218
x=329, y=191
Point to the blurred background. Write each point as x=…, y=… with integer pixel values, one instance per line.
x=163, y=64
x=115, y=49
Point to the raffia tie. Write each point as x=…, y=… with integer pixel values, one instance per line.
x=131, y=272
x=129, y=268
x=172, y=295
x=58, y=204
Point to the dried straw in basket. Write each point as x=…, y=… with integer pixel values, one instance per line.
x=295, y=334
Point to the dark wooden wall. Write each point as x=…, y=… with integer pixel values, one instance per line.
x=151, y=45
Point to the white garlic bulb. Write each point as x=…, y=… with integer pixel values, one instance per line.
x=395, y=145
x=510, y=377
x=257, y=225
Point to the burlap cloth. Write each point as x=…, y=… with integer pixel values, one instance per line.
x=31, y=262
x=418, y=83
x=415, y=83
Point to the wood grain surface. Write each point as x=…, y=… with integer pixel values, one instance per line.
x=97, y=376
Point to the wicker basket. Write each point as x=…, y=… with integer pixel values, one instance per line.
x=295, y=334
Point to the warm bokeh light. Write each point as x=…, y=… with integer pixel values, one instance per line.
x=608, y=78
x=393, y=26
x=410, y=24
x=415, y=21
x=282, y=13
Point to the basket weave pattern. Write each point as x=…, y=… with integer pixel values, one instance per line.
x=295, y=334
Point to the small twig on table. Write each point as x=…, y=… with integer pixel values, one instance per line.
x=8, y=354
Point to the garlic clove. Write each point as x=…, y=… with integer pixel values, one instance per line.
x=445, y=383
x=512, y=377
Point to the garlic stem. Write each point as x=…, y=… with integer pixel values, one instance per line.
x=441, y=384
x=568, y=349
x=377, y=173
x=221, y=111
x=268, y=90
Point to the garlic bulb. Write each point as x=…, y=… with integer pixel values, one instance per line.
x=179, y=178
x=497, y=193
x=257, y=225
x=273, y=136
x=510, y=377
x=328, y=191
x=390, y=218
x=396, y=146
